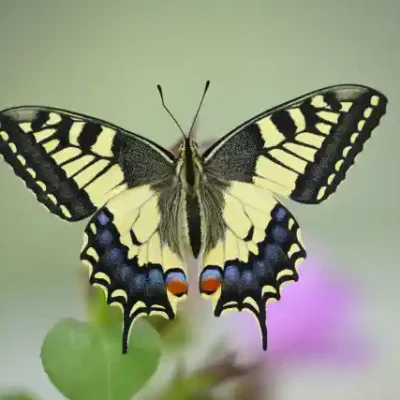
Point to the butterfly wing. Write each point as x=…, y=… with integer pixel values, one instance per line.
x=75, y=163
x=133, y=252
x=301, y=149
x=257, y=248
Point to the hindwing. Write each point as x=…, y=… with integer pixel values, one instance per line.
x=75, y=163
x=301, y=149
x=130, y=246
x=259, y=249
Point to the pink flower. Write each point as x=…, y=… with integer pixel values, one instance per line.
x=314, y=320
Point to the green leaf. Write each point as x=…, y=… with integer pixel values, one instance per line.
x=84, y=361
x=16, y=397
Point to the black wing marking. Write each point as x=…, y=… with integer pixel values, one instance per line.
x=74, y=163
x=301, y=149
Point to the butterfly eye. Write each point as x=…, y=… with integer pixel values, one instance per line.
x=176, y=283
x=210, y=280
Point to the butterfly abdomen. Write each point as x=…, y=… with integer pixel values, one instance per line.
x=194, y=228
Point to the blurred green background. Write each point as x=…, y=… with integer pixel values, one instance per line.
x=105, y=59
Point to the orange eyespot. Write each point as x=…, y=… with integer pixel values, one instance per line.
x=210, y=280
x=176, y=283
x=210, y=285
x=177, y=287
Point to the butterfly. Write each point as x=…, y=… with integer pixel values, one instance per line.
x=149, y=210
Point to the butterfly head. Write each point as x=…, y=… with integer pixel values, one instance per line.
x=188, y=145
x=188, y=163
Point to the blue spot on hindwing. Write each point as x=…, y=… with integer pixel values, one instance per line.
x=105, y=238
x=274, y=254
x=139, y=282
x=113, y=256
x=262, y=270
x=247, y=277
x=279, y=213
x=102, y=218
x=231, y=273
x=175, y=276
x=211, y=273
x=124, y=274
x=279, y=234
x=248, y=281
x=156, y=277
x=156, y=284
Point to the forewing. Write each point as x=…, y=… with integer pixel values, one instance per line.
x=301, y=149
x=258, y=249
x=131, y=249
x=75, y=163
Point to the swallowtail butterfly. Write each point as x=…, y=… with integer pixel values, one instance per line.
x=148, y=210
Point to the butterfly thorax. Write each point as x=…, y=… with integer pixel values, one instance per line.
x=189, y=166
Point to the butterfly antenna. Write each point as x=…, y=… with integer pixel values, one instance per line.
x=199, y=107
x=169, y=112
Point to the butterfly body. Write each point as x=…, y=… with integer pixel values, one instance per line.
x=149, y=210
x=193, y=207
